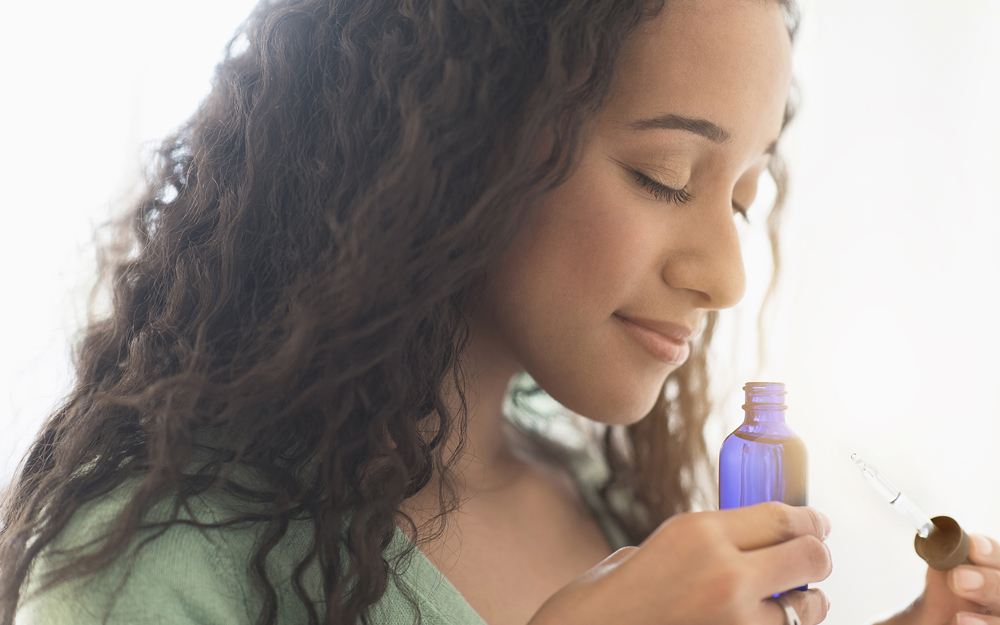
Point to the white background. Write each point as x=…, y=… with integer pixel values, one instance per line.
x=884, y=327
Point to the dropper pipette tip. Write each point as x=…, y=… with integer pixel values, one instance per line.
x=920, y=521
x=861, y=464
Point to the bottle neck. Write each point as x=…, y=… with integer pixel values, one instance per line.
x=765, y=401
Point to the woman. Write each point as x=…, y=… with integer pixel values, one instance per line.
x=383, y=213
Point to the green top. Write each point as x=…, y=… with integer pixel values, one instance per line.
x=187, y=575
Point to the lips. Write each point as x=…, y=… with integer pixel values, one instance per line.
x=666, y=341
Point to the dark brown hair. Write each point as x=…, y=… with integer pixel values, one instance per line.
x=295, y=276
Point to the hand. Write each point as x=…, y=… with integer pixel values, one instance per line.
x=705, y=568
x=949, y=600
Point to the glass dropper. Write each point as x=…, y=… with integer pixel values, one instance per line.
x=899, y=501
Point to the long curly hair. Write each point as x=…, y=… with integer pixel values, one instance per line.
x=294, y=276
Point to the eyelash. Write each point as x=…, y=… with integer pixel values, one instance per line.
x=677, y=196
x=661, y=191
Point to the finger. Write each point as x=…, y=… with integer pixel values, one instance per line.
x=790, y=564
x=968, y=618
x=771, y=523
x=985, y=551
x=811, y=606
x=619, y=556
x=607, y=564
x=980, y=584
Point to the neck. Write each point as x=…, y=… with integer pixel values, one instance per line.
x=488, y=461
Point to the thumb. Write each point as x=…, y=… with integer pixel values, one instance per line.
x=606, y=565
x=618, y=557
x=569, y=594
x=612, y=561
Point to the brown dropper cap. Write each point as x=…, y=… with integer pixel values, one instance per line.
x=945, y=547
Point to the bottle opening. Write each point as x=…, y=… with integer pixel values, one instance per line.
x=764, y=396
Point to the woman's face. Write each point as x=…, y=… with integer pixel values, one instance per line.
x=641, y=239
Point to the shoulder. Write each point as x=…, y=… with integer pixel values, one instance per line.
x=179, y=574
x=185, y=574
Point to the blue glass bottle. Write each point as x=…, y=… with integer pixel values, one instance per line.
x=763, y=460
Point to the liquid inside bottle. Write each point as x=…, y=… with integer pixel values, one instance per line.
x=763, y=459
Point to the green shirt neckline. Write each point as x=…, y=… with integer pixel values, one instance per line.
x=431, y=584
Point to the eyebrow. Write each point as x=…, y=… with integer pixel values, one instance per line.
x=703, y=127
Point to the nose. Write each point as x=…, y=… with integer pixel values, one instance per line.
x=708, y=261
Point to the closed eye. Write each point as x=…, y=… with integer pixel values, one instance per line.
x=662, y=191
x=677, y=196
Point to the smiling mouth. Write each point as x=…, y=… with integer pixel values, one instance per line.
x=669, y=349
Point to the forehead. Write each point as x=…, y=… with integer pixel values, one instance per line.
x=726, y=61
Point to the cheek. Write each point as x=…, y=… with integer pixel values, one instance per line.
x=586, y=249
x=586, y=254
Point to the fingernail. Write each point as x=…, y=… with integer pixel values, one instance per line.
x=970, y=619
x=969, y=579
x=984, y=546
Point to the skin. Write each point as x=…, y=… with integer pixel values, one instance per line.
x=608, y=245
x=961, y=596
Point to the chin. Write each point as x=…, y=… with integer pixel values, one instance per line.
x=610, y=402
